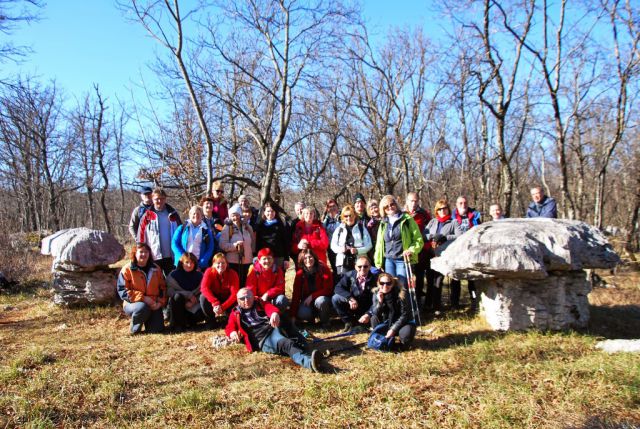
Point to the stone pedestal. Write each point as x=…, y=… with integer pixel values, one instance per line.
x=81, y=273
x=529, y=272
x=557, y=302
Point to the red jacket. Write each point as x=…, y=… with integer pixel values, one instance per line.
x=316, y=235
x=262, y=281
x=220, y=289
x=324, y=286
x=234, y=320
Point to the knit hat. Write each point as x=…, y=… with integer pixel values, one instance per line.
x=235, y=209
x=145, y=190
x=359, y=197
x=265, y=252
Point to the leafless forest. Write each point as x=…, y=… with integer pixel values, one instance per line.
x=298, y=99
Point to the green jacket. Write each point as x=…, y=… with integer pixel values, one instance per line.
x=411, y=239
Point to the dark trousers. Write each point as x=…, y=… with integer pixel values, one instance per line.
x=210, y=316
x=344, y=311
x=242, y=270
x=166, y=265
x=179, y=316
x=455, y=292
x=434, y=291
x=419, y=271
x=406, y=334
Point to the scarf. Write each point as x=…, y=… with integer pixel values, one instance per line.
x=443, y=219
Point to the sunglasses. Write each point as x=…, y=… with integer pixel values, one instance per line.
x=362, y=266
x=244, y=298
x=385, y=283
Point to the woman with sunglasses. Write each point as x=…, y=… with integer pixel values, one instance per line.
x=392, y=305
x=220, y=208
x=349, y=240
x=398, y=238
x=439, y=232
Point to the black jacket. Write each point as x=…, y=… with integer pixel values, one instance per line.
x=348, y=287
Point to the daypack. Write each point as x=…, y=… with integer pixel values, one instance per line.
x=378, y=341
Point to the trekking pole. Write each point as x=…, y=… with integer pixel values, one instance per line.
x=344, y=334
x=412, y=290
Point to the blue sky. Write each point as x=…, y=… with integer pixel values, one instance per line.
x=82, y=42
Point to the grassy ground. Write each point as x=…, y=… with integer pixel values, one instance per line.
x=73, y=368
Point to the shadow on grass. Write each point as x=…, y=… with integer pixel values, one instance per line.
x=598, y=422
x=28, y=288
x=617, y=321
x=453, y=340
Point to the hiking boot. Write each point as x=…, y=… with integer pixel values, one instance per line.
x=315, y=361
x=347, y=327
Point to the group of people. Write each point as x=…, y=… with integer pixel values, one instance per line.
x=225, y=265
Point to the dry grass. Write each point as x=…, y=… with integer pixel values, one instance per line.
x=73, y=368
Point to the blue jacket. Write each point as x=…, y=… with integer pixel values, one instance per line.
x=180, y=241
x=547, y=208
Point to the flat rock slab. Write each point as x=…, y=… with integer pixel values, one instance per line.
x=525, y=249
x=82, y=249
x=619, y=346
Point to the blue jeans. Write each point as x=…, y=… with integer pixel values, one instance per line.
x=321, y=305
x=396, y=268
x=278, y=344
x=141, y=314
x=281, y=301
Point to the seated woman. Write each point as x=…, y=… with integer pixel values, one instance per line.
x=271, y=232
x=266, y=280
x=143, y=291
x=237, y=241
x=183, y=285
x=392, y=305
x=218, y=290
x=194, y=236
x=310, y=234
x=349, y=240
x=440, y=232
x=312, y=289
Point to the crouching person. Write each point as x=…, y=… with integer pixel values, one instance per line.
x=183, y=290
x=256, y=323
x=266, y=280
x=143, y=291
x=392, y=305
x=352, y=295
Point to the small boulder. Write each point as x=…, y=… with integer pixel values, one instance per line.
x=82, y=249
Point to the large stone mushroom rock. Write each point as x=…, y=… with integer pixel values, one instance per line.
x=530, y=272
x=81, y=273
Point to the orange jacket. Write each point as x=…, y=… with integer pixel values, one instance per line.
x=133, y=285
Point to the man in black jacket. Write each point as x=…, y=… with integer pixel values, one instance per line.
x=352, y=295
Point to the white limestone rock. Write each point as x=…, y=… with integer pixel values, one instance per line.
x=619, y=346
x=525, y=249
x=82, y=249
x=556, y=303
x=74, y=289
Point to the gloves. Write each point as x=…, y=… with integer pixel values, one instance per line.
x=439, y=238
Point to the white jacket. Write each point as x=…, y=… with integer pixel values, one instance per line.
x=226, y=243
x=361, y=241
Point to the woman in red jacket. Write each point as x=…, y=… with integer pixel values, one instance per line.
x=312, y=289
x=310, y=234
x=218, y=290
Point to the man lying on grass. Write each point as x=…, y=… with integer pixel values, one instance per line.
x=256, y=323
